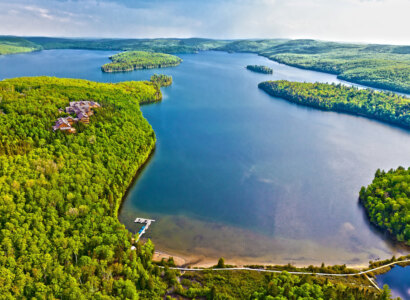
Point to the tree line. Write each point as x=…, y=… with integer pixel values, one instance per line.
x=161, y=80
x=383, y=106
x=254, y=285
x=387, y=202
x=260, y=69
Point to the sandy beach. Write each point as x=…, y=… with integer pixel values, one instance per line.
x=197, y=261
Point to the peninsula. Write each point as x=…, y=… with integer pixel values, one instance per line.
x=386, y=107
x=63, y=191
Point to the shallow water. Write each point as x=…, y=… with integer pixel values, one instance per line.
x=241, y=174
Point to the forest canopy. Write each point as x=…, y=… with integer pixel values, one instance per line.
x=255, y=285
x=59, y=194
x=133, y=60
x=387, y=202
x=383, y=106
x=161, y=80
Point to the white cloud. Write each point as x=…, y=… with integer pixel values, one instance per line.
x=348, y=20
x=379, y=21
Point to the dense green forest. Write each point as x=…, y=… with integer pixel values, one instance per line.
x=385, y=71
x=191, y=45
x=244, y=284
x=255, y=285
x=387, y=202
x=380, y=66
x=260, y=69
x=161, y=80
x=60, y=193
x=10, y=45
x=383, y=106
x=133, y=60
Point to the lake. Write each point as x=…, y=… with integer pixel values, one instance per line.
x=243, y=175
x=398, y=279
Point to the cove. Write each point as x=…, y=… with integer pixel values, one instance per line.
x=398, y=280
x=239, y=174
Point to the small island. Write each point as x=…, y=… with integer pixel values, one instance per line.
x=161, y=80
x=387, y=202
x=383, y=106
x=135, y=60
x=260, y=69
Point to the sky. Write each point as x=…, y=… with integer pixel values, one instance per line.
x=364, y=21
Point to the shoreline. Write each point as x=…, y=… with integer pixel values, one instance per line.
x=137, y=68
x=200, y=261
x=150, y=154
x=383, y=231
x=353, y=270
x=339, y=75
x=274, y=94
x=135, y=177
x=203, y=261
x=294, y=65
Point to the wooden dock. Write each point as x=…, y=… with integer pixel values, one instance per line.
x=145, y=227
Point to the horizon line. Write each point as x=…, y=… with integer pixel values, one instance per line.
x=196, y=37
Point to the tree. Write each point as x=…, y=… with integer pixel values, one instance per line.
x=221, y=263
x=386, y=293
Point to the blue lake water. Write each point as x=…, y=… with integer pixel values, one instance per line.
x=398, y=279
x=241, y=174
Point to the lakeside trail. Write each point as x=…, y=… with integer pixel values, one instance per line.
x=291, y=272
x=158, y=255
x=204, y=262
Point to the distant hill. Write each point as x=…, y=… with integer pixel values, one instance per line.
x=11, y=44
x=379, y=66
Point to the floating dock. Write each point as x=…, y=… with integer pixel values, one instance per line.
x=145, y=227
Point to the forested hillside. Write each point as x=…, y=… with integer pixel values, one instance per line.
x=10, y=45
x=387, y=202
x=383, y=106
x=169, y=45
x=133, y=60
x=60, y=193
x=380, y=66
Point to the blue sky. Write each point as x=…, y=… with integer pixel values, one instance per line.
x=377, y=21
